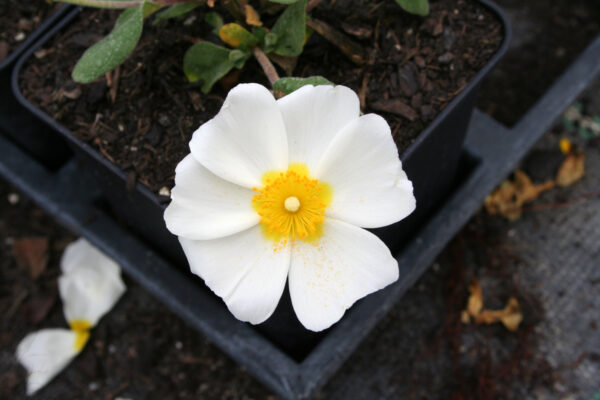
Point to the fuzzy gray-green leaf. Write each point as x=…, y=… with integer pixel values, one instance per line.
x=208, y=63
x=114, y=48
x=419, y=7
x=288, y=85
x=215, y=20
x=290, y=29
x=176, y=10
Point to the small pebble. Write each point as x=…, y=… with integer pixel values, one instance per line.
x=112, y=349
x=572, y=114
x=164, y=191
x=189, y=21
x=20, y=36
x=446, y=58
x=178, y=345
x=93, y=386
x=13, y=198
x=121, y=127
x=164, y=120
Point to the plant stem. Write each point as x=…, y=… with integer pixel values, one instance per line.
x=116, y=4
x=103, y=3
x=266, y=65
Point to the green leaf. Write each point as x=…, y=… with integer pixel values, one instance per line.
x=290, y=30
x=215, y=20
x=259, y=33
x=176, y=10
x=114, y=48
x=271, y=39
x=288, y=85
x=208, y=63
x=284, y=1
x=419, y=7
x=238, y=58
x=236, y=35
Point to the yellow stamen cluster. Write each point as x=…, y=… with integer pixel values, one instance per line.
x=291, y=204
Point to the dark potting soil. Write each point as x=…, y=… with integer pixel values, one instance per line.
x=547, y=37
x=139, y=350
x=142, y=116
x=18, y=18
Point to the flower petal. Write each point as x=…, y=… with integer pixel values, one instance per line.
x=90, y=284
x=362, y=166
x=44, y=354
x=245, y=139
x=328, y=276
x=204, y=206
x=313, y=115
x=247, y=270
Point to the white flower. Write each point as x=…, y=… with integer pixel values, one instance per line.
x=277, y=190
x=90, y=283
x=47, y=352
x=89, y=287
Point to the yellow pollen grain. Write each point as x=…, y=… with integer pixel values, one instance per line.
x=291, y=204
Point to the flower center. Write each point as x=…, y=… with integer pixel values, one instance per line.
x=291, y=204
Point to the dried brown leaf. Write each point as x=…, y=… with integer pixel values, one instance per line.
x=32, y=254
x=510, y=316
x=464, y=317
x=252, y=17
x=475, y=303
x=571, y=170
x=508, y=199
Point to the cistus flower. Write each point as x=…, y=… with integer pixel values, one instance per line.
x=89, y=286
x=277, y=190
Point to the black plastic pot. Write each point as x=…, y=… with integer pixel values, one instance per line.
x=19, y=123
x=431, y=162
x=490, y=153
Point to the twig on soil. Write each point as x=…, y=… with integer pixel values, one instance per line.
x=114, y=86
x=362, y=94
x=117, y=391
x=15, y=305
x=351, y=49
x=557, y=204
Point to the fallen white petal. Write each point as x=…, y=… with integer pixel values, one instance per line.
x=246, y=270
x=313, y=116
x=362, y=166
x=90, y=284
x=45, y=353
x=204, y=206
x=326, y=277
x=245, y=139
